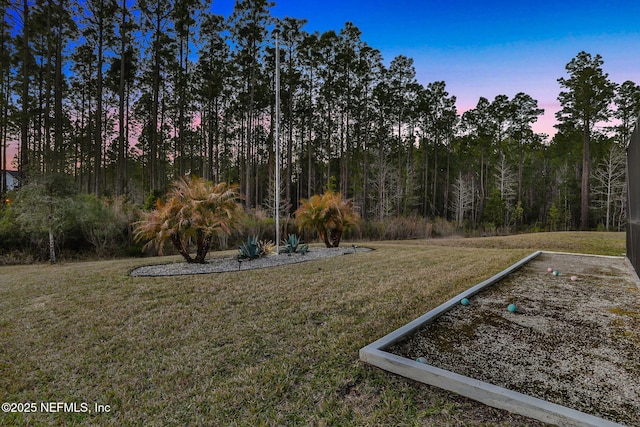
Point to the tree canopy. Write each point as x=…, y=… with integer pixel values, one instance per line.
x=125, y=97
x=586, y=101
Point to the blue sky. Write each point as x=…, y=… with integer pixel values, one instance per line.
x=486, y=48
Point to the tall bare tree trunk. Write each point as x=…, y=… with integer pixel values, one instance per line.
x=153, y=145
x=122, y=149
x=98, y=130
x=586, y=171
x=52, y=248
x=24, y=125
x=249, y=151
x=57, y=104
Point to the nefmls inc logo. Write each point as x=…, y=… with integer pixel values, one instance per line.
x=74, y=407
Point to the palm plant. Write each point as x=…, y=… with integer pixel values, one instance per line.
x=195, y=211
x=329, y=214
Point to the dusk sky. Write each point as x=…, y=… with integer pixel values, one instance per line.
x=486, y=48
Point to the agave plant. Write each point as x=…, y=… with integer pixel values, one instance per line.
x=293, y=245
x=249, y=249
x=195, y=211
x=254, y=248
x=290, y=245
x=329, y=214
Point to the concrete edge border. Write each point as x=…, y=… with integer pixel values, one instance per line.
x=587, y=255
x=480, y=391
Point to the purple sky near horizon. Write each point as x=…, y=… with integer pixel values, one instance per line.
x=486, y=48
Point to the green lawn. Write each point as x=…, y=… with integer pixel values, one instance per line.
x=263, y=347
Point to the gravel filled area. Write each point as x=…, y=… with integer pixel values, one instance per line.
x=221, y=265
x=574, y=338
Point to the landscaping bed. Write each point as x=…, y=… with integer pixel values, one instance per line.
x=233, y=263
x=570, y=342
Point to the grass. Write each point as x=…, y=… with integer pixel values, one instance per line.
x=259, y=347
x=596, y=243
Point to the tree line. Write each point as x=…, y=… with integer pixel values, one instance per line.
x=126, y=96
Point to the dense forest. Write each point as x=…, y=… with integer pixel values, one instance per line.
x=124, y=96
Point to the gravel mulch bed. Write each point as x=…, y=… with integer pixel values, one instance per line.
x=222, y=265
x=574, y=342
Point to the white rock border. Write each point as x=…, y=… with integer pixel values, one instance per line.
x=483, y=392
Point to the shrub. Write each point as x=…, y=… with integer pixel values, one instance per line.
x=195, y=212
x=399, y=228
x=152, y=199
x=47, y=206
x=407, y=228
x=443, y=228
x=104, y=223
x=330, y=215
x=12, y=236
x=258, y=224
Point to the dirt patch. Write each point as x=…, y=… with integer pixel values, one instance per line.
x=571, y=342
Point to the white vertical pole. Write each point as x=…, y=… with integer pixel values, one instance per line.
x=277, y=141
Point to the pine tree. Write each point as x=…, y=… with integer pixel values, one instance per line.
x=213, y=88
x=585, y=102
x=524, y=112
x=157, y=25
x=627, y=102
x=248, y=26
x=7, y=51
